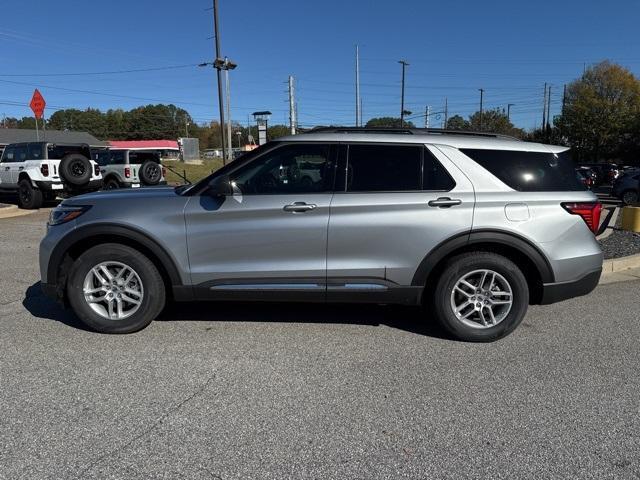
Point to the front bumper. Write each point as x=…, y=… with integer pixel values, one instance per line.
x=556, y=292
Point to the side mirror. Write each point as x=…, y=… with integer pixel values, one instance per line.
x=220, y=187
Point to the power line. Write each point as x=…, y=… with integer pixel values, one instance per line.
x=108, y=72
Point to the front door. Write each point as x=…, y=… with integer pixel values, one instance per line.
x=271, y=234
x=393, y=204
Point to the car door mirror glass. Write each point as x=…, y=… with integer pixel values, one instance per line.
x=220, y=187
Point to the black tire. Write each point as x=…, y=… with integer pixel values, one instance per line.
x=466, y=263
x=75, y=169
x=111, y=183
x=150, y=173
x=629, y=197
x=152, y=302
x=29, y=197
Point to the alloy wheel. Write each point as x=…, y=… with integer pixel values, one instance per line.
x=113, y=290
x=481, y=298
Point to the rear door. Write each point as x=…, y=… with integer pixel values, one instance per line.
x=397, y=202
x=271, y=234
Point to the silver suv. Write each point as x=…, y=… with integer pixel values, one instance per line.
x=474, y=226
x=125, y=168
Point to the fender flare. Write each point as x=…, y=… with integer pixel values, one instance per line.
x=111, y=230
x=486, y=236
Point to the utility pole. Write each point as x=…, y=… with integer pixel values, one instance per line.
x=427, y=113
x=228, y=66
x=186, y=127
x=544, y=107
x=564, y=97
x=404, y=65
x=216, y=34
x=509, y=105
x=358, y=112
x=481, y=99
x=549, y=109
x=292, y=107
x=446, y=112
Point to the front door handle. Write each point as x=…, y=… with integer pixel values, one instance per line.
x=6, y=169
x=444, y=202
x=299, y=207
x=20, y=168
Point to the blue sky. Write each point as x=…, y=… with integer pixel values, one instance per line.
x=509, y=48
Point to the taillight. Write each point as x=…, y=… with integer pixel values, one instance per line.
x=96, y=169
x=44, y=170
x=127, y=172
x=590, y=213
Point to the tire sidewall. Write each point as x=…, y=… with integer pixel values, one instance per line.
x=35, y=197
x=154, y=292
x=144, y=174
x=66, y=164
x=627, y=202
x=465, y=264
x=111, y=182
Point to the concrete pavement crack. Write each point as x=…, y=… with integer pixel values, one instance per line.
x=146, y=431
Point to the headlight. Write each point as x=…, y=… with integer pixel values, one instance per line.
x=62, y=214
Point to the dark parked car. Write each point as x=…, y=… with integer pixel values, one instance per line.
x=626, y=187
x=605, y=172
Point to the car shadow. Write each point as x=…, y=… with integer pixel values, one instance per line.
x=409, y=319
x=11, y=199
x=41, y=306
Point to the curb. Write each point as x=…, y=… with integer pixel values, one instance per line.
x=13, y=211
x=615, y=265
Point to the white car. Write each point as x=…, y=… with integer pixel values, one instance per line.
x=40, y=171
x=124, y=168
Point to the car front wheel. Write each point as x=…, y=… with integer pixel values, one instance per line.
x=115, y=289
x=480, y=297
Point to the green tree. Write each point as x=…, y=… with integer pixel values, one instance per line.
x=602, y=108
x=388, y=122
x=494, y=121
x=457, y=123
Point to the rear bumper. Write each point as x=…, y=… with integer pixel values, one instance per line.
x=556, y=292
x=49, y=186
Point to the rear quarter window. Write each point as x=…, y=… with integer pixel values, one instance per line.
x=529, y=171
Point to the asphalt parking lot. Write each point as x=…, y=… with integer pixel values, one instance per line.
x=232, y=391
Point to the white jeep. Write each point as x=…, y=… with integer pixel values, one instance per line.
x=125, y=168
x=39, y=171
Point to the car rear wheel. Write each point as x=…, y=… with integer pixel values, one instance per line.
x=115, y=289
x=111, y=184
x=29, y=198
x=480, y=297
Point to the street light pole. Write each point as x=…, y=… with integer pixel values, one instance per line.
x=219, y=74
x=404, y=65
x=509, y=105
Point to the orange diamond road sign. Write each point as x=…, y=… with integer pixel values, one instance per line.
x=37, y=103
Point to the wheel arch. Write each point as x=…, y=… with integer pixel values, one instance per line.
x=518, y=249
x=80, y=240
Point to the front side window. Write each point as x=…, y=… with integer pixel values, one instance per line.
x=294, y=168
x=379, y=168
x=21, y=153
x=9, y=154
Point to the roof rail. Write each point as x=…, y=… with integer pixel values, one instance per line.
x=408, y=131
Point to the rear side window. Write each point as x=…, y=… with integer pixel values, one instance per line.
x=395, y=168
x=529, y=171
x=56, y=152
x=378, y=168
x=35, y=151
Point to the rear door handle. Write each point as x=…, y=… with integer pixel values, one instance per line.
x=6, y=169
x=20, y=168
x=444, y=202
x=299, y=207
